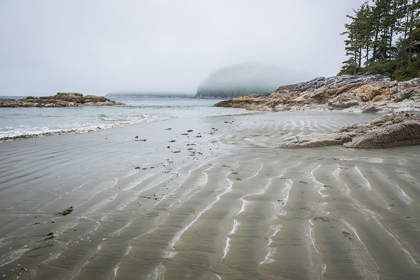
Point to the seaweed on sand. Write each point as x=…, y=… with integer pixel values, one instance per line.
x=66, y=212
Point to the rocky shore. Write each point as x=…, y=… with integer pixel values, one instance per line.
x=61, y=99
x=365, y=93
x=399, y=129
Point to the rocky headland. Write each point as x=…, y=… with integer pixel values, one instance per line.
x=61, y=99
x=394, y=130
x=365, y=93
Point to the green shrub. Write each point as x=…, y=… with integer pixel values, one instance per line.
x=386, y=68
x=407, y=72
x=396, y=70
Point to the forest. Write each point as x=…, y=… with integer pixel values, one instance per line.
x=383, y=37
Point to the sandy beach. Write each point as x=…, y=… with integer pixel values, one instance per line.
x=209, y=198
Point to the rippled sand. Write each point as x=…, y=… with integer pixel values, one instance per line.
x=229, y=205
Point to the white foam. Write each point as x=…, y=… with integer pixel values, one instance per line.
x=228, y=239
x=364, y=262
x=318, y=185
x=170, y=252
x=158, y=273
x=317, y=267
x=403, y=196
x=399, y=245
x=367, y=185
x=269, y=257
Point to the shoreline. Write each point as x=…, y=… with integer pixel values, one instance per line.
x=90, y=130
x=145, y=117
x=64, y=132
x=365, y=93
x=211, y=197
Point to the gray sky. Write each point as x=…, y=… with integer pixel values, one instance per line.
x=101, y=46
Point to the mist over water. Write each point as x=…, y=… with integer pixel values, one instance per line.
x=248, y=78
x=161, y=45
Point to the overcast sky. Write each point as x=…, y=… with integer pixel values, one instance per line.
x=101, y=46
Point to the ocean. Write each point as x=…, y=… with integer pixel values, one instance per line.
x=32, y=122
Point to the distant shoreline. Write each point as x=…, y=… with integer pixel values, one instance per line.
x=151, y=95
x=61, y=99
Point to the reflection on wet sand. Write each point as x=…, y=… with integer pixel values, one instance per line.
x=229, y=205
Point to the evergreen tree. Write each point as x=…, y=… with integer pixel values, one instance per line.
x=384, y=38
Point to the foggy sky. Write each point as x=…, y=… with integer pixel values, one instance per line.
x=101, y=46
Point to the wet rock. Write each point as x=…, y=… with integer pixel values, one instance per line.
x=314, y=140
x=394, y=130
x=61, y=99
x=370, y=109
x=388, y=131
x=365, y=92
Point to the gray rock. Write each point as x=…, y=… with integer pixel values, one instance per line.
x=335, y=93
x=369, y=109
x=395, y=130
x=61, y=99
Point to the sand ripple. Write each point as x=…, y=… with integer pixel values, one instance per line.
x=228, y=205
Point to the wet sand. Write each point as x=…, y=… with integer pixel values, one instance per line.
x=220, y=202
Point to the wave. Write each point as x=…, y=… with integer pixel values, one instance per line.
x=21, y=123
x=124, y=118
x=25, y=132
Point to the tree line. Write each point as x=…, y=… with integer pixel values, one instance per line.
x=383, y=37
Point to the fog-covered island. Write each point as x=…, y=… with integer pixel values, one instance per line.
x=245, y=79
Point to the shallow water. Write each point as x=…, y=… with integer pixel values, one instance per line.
x=220, y=202
x=20, y=122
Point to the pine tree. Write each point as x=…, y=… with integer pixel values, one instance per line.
x=384, y=38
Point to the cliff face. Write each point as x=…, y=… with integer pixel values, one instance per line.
x=368, y=93
x=62, y=99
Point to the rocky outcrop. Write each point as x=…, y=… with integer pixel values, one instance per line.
x=366, y=93
x=399, y=129
x=61, y=99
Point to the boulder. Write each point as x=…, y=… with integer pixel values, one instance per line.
x=395, y=130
